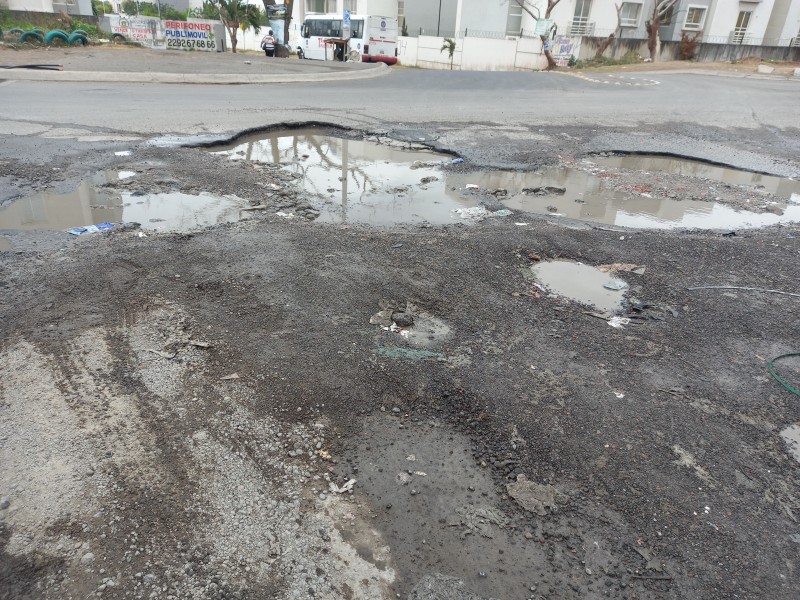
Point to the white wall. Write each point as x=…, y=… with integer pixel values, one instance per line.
x=472, y=54
x=31, y=5
x=784, y=24
x=722, y=22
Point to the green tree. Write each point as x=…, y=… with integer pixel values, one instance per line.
x=100, y=8
x=209, y=10
x=237, y=13
x=450, y=46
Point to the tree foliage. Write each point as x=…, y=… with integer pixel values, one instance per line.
x=237, y=13
x=151, y=9
x=449, y=45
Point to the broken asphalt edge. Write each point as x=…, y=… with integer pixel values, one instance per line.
x=378, y=70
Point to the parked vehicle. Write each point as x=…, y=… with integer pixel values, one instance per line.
x=372, y=38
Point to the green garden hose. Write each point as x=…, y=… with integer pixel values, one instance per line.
x=771, y=369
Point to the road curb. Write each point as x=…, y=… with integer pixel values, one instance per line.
x=378, y=70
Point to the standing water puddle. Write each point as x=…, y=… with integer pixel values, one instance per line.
x=581, y=283
x=89, y=205
x=358, y=181
x=791, y=435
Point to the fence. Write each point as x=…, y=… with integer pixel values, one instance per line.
x=705, y=52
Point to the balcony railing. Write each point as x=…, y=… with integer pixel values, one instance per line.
x=580, y=27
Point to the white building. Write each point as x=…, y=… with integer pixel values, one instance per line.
x=70, y=7
x=784, y=25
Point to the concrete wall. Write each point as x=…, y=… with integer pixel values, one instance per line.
x=472, y=54
x=721, y=22
x=784, y=24
x=705, y=52
x=424, y=14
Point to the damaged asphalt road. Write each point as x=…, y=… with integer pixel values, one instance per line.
x=214, y=415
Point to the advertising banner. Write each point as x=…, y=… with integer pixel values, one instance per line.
x=182, y=35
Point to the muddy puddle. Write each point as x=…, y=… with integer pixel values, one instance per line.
x=581, y=283
x=576, y=194
x=782, y=187
x=362, y=181
x=436, y=506
x=90, y=204
x=791, y=435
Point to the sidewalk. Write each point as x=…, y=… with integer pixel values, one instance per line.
x=127, y=64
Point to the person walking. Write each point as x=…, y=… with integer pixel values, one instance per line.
x=268, y=44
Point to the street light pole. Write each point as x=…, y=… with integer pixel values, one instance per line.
x=439, y=24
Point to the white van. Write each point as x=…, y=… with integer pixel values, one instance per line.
x=372, y=38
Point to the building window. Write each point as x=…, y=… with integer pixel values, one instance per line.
x=740, y=31
x=580, y=21
x=350, y=5
x=514, y=22
x=629, y=16
x=321, y=6
x=695, y=17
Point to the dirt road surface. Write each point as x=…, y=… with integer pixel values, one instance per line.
x=227, y=414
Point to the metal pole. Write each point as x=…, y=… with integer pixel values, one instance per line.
x=439, y=24
x=158, y=4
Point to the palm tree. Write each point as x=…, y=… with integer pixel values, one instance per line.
x=234, y=13
x=450, y=46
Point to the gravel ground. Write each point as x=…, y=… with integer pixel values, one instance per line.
x=220, y=414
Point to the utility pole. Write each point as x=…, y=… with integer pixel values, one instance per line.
x=439, y=23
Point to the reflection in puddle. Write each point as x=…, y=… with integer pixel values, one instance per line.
x=357, y=181
x=5, y=244
x=779, y=186
x=581, y=283
x=584, y=198
x=791, y=435
x=366, y=182
x=177, y=212
x=88, y=205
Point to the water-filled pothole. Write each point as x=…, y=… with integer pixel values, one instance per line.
x=576, y=194
x=582, y=283
x=89, y=204
x=363, y=181
x=791, y=435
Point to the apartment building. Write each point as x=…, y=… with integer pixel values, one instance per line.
x=753, y=22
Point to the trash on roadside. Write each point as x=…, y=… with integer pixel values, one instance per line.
x=644, y=311
x=123, y=153
x=502, y=213
x=794, y=198
x=231, y=376
x=324, y=454
x=472, y=186
x=615, y=284
x=257, y=207
x=336, y=489
x=104, y=226
x=618, y=322
x=420, y=473
x=411, y=458
x=476, y=212
x=141, y=234
x=521, y=224
x=286, y=215
x=455, y=161
x=619, y=395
